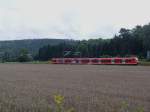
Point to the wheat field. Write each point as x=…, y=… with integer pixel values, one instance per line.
x=86, y=88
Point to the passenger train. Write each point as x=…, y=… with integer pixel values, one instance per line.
x=97, y=61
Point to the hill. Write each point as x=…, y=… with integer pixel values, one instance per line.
x=32, y=45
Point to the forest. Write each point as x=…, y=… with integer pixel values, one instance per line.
x=129, y=42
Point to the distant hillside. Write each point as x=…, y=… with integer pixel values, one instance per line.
x=32, y=45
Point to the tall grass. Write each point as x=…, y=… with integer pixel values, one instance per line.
x=58, y=105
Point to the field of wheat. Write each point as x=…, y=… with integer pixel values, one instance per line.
x=86, y=88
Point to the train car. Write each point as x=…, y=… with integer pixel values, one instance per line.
x=97, y=61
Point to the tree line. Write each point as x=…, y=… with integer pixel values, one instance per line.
x=129, y=42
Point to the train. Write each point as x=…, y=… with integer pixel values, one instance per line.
x=97, y=61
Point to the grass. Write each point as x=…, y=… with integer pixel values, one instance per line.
x=144, y=63
x=58, y=105
x=39, y=62
x=32, y=88
x=32, y=62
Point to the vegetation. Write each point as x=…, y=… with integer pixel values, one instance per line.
x=24, y=56
x=59, y=104
x=144, y=62
x=31, y=88
x=134, y=42
x=10, y=50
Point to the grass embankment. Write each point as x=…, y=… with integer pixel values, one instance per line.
x=144, y=63
x=32, y=62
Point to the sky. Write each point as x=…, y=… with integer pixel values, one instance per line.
x=70, y=19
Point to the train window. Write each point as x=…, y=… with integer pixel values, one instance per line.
x=128, y=60
x=54, y=60
x=106, y=61
x=118, y=61
x=133, y=60
x=95, y=60
x=60, y=61
x=76, y=61
x=85, y=61
x=67, y=61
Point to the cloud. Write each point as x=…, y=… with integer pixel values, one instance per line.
x=74, y=19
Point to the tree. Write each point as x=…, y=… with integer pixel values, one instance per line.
x=24, y=56
x=5, y=57
x=83, y=49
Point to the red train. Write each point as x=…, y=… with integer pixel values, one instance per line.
x=97, y=61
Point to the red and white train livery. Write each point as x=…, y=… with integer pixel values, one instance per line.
x=97, y=61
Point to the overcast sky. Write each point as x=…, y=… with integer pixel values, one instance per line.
x=73, y=19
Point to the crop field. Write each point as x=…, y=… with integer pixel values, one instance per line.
x=86, y=88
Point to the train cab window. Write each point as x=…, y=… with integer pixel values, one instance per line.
x=128, y=60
